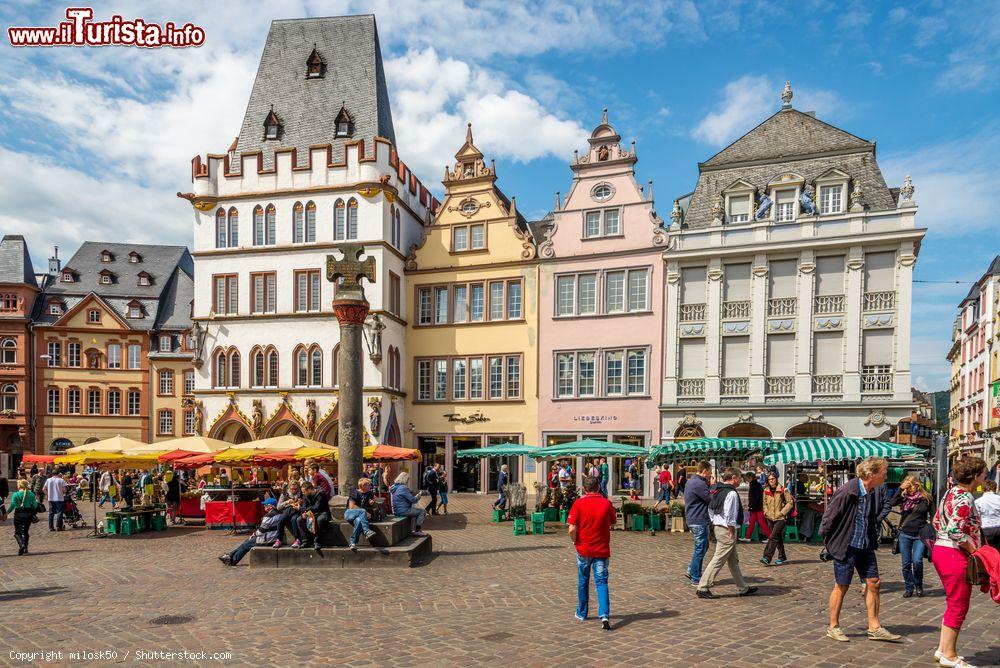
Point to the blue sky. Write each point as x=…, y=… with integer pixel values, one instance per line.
x=95, y=142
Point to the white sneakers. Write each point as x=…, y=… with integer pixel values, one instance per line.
x=957, y=662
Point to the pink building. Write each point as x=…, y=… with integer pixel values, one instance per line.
x=601, y=306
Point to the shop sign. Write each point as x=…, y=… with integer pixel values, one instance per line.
x=595, y=419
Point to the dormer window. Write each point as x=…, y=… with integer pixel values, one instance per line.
x=143, y=279
x=134, y=310
x=738, y=208
x=831, y=199
x=344, y=123
x=67, y=277
x=784, y=205
x=134, y=258
x=602, y=192
x=315, y=65
x=272, y=125
x=55, y=308
x=106, y=277
x=106, y=256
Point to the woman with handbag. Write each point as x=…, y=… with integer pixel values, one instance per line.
x=915, y=507
x=25, y=507
x=778, y=503
x=958, y=535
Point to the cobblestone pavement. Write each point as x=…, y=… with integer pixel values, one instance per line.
x=487, y=597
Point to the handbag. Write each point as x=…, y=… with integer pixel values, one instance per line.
x=976, y=574
x=310, y=519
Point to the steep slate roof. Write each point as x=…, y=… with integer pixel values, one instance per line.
x=540, y=228
x=354, y=78
x=15, y=262
x=159, y=262
x=788, y=141
x=175, y=307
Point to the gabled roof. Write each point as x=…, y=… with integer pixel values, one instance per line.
x=15, y=262
x=175, y=307
x=90, y=298
x=308, y=106
x=787, y=134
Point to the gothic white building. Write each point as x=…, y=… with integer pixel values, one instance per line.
x=788, y=276
x=314, y=166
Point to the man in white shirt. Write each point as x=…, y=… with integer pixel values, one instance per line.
x=55, y=492
x=988, y=506
x=725, y=512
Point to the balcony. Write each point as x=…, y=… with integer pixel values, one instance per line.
x=876, y=379
x=693, y=312
x=691, y=387
x=879, y=301
x=827, y=385
x=734, y=387
x=779, y=386
x=736, y=310
x=781, y=306
x=826, y=304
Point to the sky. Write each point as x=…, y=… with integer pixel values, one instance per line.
x=95, y=142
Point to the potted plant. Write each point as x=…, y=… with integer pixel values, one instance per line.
x=677, y=516
x=629, y=508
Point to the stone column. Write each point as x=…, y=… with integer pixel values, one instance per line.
x=351, y=309
x=351, y=315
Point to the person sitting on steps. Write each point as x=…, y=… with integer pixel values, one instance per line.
x=404, y=503
x=359, y=503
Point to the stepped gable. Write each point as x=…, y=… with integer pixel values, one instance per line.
x=310, y=71
x=788, y=141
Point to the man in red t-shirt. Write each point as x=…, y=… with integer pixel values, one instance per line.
x=666, y=485
x=590, y=521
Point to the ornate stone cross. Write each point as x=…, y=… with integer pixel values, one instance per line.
x=350, y=270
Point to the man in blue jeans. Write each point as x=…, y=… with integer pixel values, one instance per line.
x=696, y=499
x=590, y=520
x=359, y=502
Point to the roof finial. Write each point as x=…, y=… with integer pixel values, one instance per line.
x=604, y=116
x=468, y=133
x=786, y=96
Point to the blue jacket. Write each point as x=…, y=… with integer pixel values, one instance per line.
x=402, y=498
x=696, y=499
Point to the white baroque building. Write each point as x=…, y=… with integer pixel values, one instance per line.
x=314, y=167
x=788, y=289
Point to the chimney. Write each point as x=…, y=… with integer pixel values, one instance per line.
x=54, y=264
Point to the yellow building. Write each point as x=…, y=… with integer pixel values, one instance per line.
x=473, y=329
x=171, y=364
x=95, y=325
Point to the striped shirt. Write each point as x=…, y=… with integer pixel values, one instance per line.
x=859, y=536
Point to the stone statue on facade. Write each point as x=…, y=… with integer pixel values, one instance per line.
x=676, y=214
x=199, y=418
x=310, y=417
x=806, y=202
x=719, y=209
x=257, y=417
x=764, y=208
x=375, y=417
x=375, y=329
x=906, y=190
x=857, y=198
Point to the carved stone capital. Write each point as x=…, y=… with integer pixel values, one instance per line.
x=351, y=311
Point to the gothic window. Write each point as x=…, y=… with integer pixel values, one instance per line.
x=234, y=225
x=339, y=221
x=298, y=223
x=234, y=369
x=310, y=222
x=269, y=225
x=352, y=219
x=272, y=368
x=316, y=368
x=258, y=369
x=221, y=229
x=336, y=353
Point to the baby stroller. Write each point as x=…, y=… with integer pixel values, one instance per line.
x=71, y=513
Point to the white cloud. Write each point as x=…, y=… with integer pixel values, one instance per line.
x=430, y=120
x=750, y=99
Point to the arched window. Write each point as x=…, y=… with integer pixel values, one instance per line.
x=234, y=369
x=259, y=370
x=391, y=367
x=352, y=219
x=301, y=368
x=813, y=430
x=310, y=222
x=234, y=227
x=258, y=225
x=269, y=225
x=316, y=367
x=272, y=368
x=333, y=378
x=338, y=221
x=221, y=229
x=220, y=368
x=298, y=223
x=397, y=379
x=8, y=397
x=9, y=351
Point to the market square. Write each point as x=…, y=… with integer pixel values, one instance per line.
x=268, y=378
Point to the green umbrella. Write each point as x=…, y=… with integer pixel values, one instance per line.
x=589, y=448
x=709, y=447
x=499, y=450
x=827, y=449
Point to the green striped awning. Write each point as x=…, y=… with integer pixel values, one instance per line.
x=589, y=448
x=711, y=446
x=833, y=449
x=499, y=450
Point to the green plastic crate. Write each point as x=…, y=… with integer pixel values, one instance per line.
x=895, y=474
x=654, y=522
x=499, y=514
x=520, y=527
x=159, y=522
x=638, y=523
x=127, y=526
x=551, y=514
x=563, y=516
x=111, y=524
x=143, y=522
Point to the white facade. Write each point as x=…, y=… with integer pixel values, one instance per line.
x=270, y=316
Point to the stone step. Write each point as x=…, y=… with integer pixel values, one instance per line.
x=388, y=532
x=412, y=551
